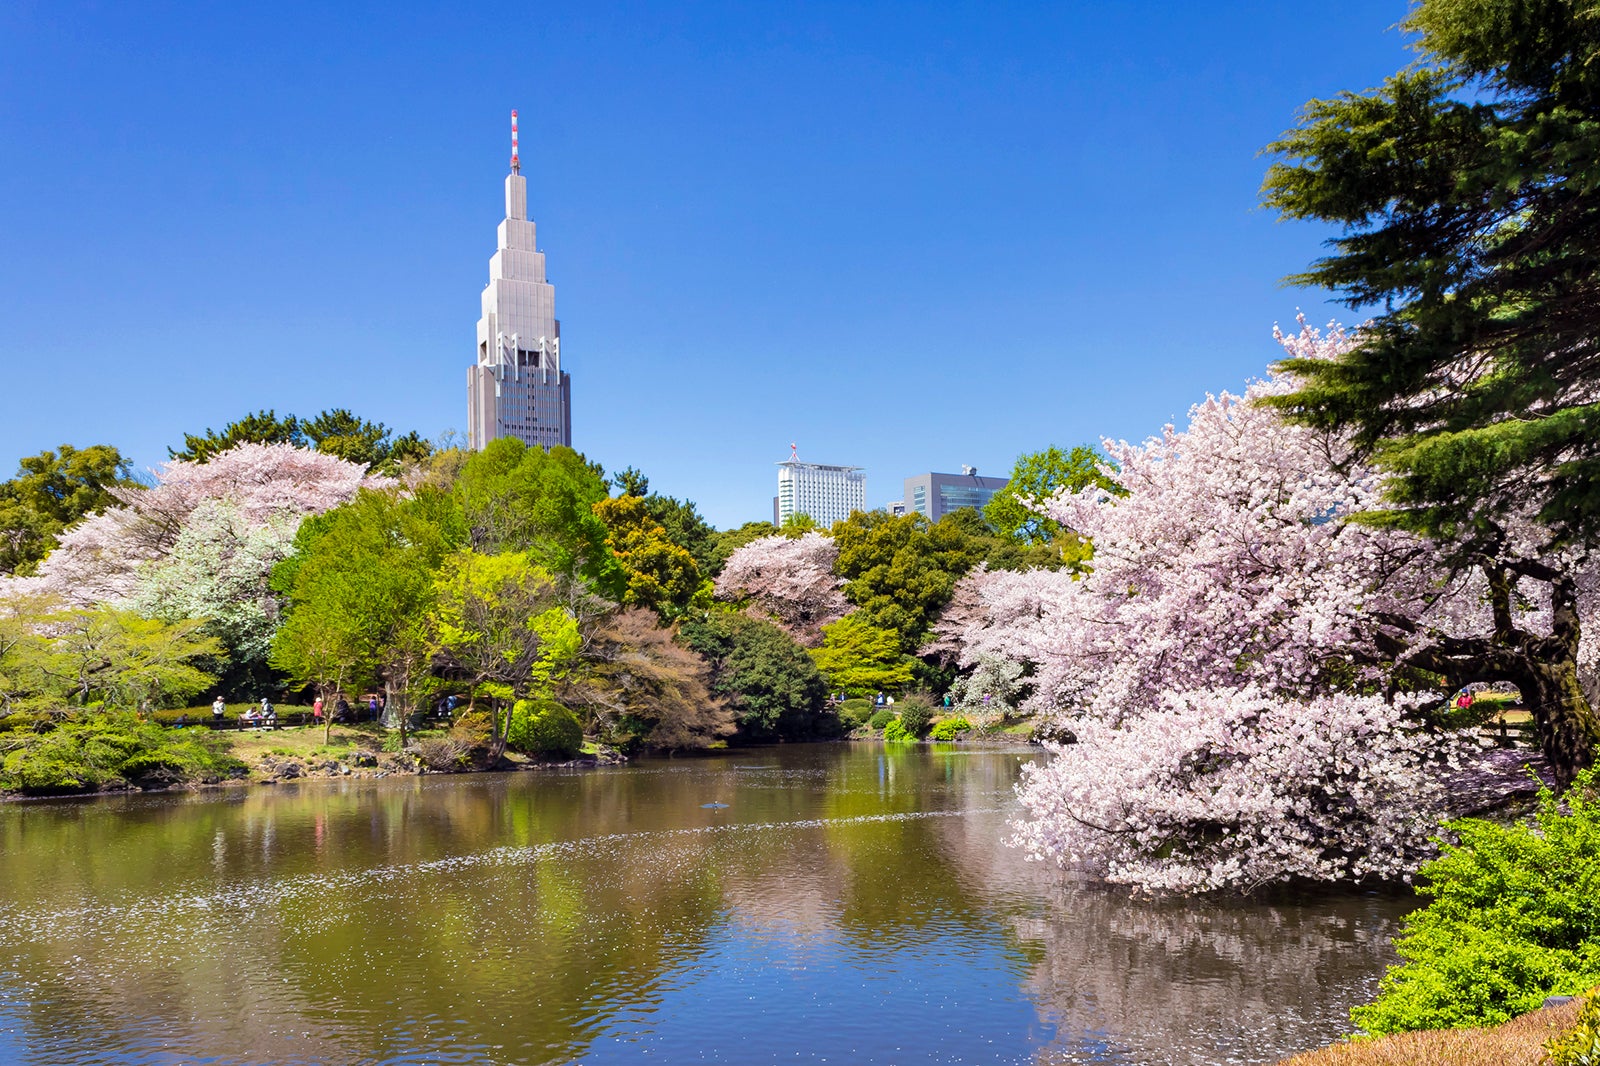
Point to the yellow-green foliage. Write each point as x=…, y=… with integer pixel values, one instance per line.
x=544, y=727
x=1579, y=1046
x=109, y=751
x=950, y=728
x=1514, y=917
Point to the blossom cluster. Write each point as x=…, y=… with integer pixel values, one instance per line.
x=1214, y=667
x=260, y=487
x=791, y=579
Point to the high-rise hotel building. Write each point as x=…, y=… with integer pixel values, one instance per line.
x=827, y=494
x=517, y=388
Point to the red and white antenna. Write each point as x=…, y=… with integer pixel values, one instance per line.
x=516, y=163
x=794, y=452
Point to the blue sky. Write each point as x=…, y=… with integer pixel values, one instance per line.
x=905, y=237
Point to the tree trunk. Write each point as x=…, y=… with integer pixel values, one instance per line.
x=1568, y=730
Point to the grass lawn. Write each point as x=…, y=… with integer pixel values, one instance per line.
x=1519, y=1042
x=302, y=742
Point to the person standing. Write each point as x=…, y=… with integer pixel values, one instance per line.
x=217, y=708
x=316, y=711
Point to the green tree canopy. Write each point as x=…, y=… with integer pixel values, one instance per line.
x=335, y=432
x=900, y=570
x=772, y=685
x=680, y=519
x=521, y=498
x=1036, y=477
x=661, y=576
x=358, y=590
x=862, y=658
x=50, y=492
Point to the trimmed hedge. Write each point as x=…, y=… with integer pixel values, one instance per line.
x=544, y=727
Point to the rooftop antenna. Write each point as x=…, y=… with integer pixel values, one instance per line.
x=794, y=452
x=516, y=163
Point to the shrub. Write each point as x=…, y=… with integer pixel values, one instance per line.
x=1514, y=917
x=950, y=728
x=1580, y=1046
x=544, y=727
x=896, y=731
x=855, y=712
x=111, y=750
x=916, y=713
x=880, y=719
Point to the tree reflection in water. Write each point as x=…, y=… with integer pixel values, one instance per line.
x=850, y=902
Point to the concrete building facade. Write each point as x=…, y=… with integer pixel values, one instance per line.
x=935, y=495
x=516, y=387
x=826, y=493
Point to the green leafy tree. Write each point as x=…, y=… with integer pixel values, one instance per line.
x=1467, y=192
x=334, y=432
x=798, y=525
x=661, y=576
x=772, y=685
x=630, y=481
x=50, y=492
x=373, y=444
x=491, y=622
x=1003, y=552
x=861, y=658
x=259, y=427
x=122, y=659
x=24, y=651
x=358, y=590
x=1036, y=477
x=900, y=570
x=521, y=498
x=683, y=525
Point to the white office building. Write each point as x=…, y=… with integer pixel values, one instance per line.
x=517, y=388
x=825, y=493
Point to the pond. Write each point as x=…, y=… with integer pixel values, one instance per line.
x=838, y=903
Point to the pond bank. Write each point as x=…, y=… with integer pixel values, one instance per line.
x=1519, y=1042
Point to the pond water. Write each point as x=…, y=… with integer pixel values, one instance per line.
x=840, y=903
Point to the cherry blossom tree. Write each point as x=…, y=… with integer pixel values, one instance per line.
x=1223, y=790
x=1236, y=622
x=99, y=560
x=790, y=579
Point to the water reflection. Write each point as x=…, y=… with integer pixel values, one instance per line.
x=848, y=903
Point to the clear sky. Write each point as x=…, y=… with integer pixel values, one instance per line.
x=905, y=237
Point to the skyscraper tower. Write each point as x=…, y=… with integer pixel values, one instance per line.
x=517, y=387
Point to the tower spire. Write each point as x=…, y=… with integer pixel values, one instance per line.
x=516, y=163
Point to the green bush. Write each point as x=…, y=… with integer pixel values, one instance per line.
x=108, y=751
x=896, y=731
x=951, y=728
x=880, y=719
x=916, y=713
x=544, y=727
x=855, y=712
x=1514, y=917
x=1579, y=1046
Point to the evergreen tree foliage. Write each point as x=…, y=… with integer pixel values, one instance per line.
x=773, y=687
x=335, y=432
x=50, y=492
x=1467, y=189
